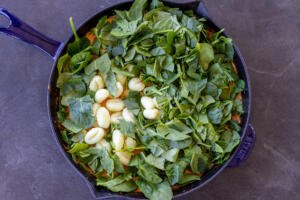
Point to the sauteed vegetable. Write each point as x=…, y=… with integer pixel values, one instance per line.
x=150, y=99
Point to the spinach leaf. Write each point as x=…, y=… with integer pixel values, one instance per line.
x=106, y=161
x=127, y=128
x=81, y=111
x=175, y=171
x=163, y=191
x=153, y=192
x=188, y=178
x=206, y=54
x=171, y=155
x=78, y=147
x=137, y=9
x=69, y=125
x=102, y=64
x=229, y=140
x=149, y=174
x=124, y=28
x=117, y=164
x=63, y=63
x=157, y=162
x=80, y=61
x=127, y=186
x=122, y=183
x=166, y=25
x=199, y=162
x=215, y=114
x=132, y=101
x=111, y=83
x=71, y=85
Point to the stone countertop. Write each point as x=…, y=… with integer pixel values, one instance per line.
x=266, y=31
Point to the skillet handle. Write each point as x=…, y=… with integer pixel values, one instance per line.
x=245, y=148
x=20, y=30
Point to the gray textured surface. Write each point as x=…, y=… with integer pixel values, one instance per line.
x=268, y=34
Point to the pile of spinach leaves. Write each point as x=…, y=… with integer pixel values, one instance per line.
x=185, y=65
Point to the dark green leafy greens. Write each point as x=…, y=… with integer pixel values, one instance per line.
x=185, y=65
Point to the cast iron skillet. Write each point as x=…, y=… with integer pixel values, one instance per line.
x=21, y=30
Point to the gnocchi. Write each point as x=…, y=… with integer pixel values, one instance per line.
x=101, y=95
x=151, y=113
x=124, y=157
x=103, y=117
x=119, y=89
x=118, y=139
x=130, y=142
x=96, y=83
x=135, y=84
x=95, y=108
x=94, y=135
x=147, y=102
x=115, y=105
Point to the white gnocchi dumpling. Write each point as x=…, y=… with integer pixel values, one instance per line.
x=96, y=83
x=116, y=117
x=124, y=157
x=119, y=89
x=103, y=117
x=151, y=113
x=101, y=95
x=147, y=102
x=115, y=105
x=135, y=84
x=128, y=115
x=94, y=135
x=103, y=144
x=95, y=108
x=118, y=139
x=130, y=143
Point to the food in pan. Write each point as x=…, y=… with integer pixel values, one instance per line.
x=150, y=99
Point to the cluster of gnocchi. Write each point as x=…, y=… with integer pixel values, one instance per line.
x=109, y=109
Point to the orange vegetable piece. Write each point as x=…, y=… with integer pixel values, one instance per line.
x=239, y=96
x=236, y=118
x=91, y=37
x=110, y=19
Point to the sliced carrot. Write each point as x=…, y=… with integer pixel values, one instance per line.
x=104, y=174
x=91, y=37
x=125, y=93
x=110, y=19
x=137, y=191
x=236, y=118
x=239, y=96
